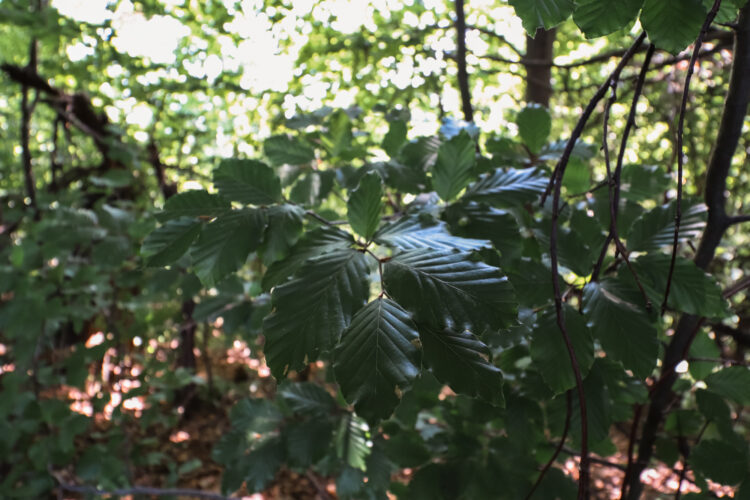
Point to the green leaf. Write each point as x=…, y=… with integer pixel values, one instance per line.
x=248, y=181
x=262, y=463
x=365, y=204
x=601, y=17
x=307, y=398
x=672, y=25
x=453, y=168
x=169, y=242
x=577, y=177
x=532, y=282
x=732, y=382
x=310, y=312
x=395, y=138
x=352, y=441
x=339, y=136
x=692, y=290
x=461, y=360
x=284, y=149
x=411, y=232
x=226, y=242
x=508, y=188
x=312, y=244
x=655, y=228
x=473, y=220
x=312, y=188
x=542, y=13
x=534, y=125
x=194, y=204
x=447, y=288
x=725, y=463
x=307, y=441
x=255, y=415
x=283, y=231
x=623, y=328
x=643, y=182
x=377, y=358
x=550, y=354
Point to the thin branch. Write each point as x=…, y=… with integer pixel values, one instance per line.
x=497, y=36
x=566, y=428
x=680, y=156
x=463, y=76
x=738, y=219
x=736, y=287
x=142, y=490
x=631, y=448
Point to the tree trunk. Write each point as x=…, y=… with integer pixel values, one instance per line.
x=538, y=64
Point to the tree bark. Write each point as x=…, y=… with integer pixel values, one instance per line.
x=26, y=110
x=540, y=50
x=730, y=129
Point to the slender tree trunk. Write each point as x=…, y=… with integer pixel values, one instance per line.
x=463, y=75
x=539, y=49
x=730, y=129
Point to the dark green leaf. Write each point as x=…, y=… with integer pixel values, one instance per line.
x=732, y=382
x=672, y=25
x=534, y=125
x=377, y=358
x=395, y=138
x=194, y=204
x=623, y=328
x=262, y=463
x=602, y=17
x=452, y=170
x=643, y=182
x=461, y=360
x=339, y=136
x=284, y=228
x=169, y=242
x=472, y=220
x=508, y=188
x=225, y=243
x=542, y=13
x=248, y=181
x=255, y=415
x=307, y=398
x=307, y=441
x=692, y=290
x=312, y=188
x=550, y=354
x=312, y=244
x=410, y=232
x=281, y=149
x=448, y=288
x=655, y=228
x=725, y=463
x=311, y=311
x=365, y=205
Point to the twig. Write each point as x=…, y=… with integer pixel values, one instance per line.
x=595, y=460
x=680, y=157
x=142, y=490
x=738, y=219
x=463, y=76
x=566, y=428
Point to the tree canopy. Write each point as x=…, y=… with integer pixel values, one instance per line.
x=338, y=249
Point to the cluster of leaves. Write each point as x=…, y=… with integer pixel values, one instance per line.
x=671, y=25
x=462, y=297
